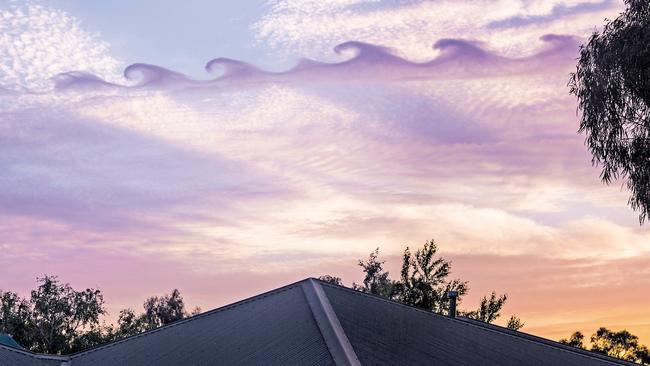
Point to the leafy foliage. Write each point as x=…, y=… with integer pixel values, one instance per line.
x=57, y=319
x=621, y=344
x=612, y=84
x=164, y=310
x=15, y=316
x=376, y=280
x=424, y=283
x=514, y=323
x=128, y=324
x=576, y=340
x=489, y=309
x=331, y=279
x=158, y=311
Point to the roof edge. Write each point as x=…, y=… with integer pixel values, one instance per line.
x=186, y=320
x=546, y=341
x=40, y=356
x=491, y=327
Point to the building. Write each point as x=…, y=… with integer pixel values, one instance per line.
x=316, y=323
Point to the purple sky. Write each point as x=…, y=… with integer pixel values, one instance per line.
x=327, y=130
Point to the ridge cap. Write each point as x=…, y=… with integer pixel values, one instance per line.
x=328, y=323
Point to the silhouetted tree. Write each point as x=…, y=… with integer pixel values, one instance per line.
x=163, y=310
x=489, y=308
x=621, y=344
x=515, y=323
x=15, y=317
x=576, y=340
x=59, y=320
x=60, y=314
x=331, y=279
x=423, y=281
x=376, y=280
x=95, y=336
x=612, y=84
x=128, y=324
x=55, y=318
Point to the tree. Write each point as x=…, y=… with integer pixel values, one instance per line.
x=576, y=340
x=15, y=314
x=376, y=280
x=423, y=281
x=489, y=309
x=612, y=84
x=128, y=324
x=621, y=344
x=158, y=311
x=56, y=318
x=515, y=323
x=331, y=279
x=424, y=284
x=166, y=309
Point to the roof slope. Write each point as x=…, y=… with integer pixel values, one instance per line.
x=385, y=332
x=11, y=356
x=6, y=340
x=272, y=329
x=315, y=323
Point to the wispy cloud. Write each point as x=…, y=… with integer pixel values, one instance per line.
x=38, y=42
x=310, y=28
x=558, y=11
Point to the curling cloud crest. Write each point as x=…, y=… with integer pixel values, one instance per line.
x=456, y=59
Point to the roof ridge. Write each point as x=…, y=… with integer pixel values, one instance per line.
x=34, y=354
x=489, y=327
x=328, y=323
x=186, y=320
x=18, y=350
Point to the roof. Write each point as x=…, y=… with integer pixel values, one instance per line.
x=8, y=341
x=316, y=323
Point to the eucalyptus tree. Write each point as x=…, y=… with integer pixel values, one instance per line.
x=612, y=85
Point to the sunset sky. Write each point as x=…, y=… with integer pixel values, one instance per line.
x=229, y=148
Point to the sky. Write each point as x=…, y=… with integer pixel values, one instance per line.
x=229, y=148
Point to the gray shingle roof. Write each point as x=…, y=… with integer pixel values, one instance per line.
x=5, y=339
x=384, y=332
x=315, y=323
x=11, y=356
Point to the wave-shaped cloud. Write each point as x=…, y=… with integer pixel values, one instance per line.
x=457, y=59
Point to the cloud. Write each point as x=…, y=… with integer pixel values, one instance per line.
x=39, y=42
x=310, y=27
x=558, y=11
x=61, y=165
x=456, y=59
x=307, y=155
